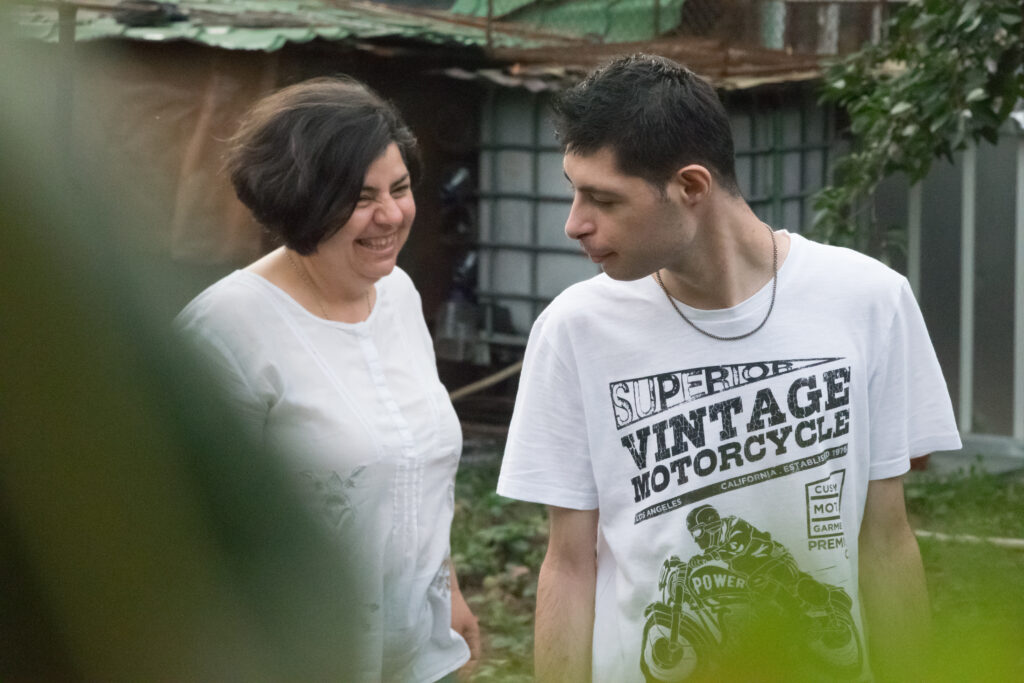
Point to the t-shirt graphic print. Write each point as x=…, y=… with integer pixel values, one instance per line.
x=730, y=477
x=739, y=579
x=813, y=410
x=742, y=583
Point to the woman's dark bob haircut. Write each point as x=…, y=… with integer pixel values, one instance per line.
x=300, y=156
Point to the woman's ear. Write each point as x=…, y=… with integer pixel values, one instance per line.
x=693, y=183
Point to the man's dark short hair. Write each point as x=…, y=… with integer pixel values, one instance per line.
x=655, y=115
x=300, y=156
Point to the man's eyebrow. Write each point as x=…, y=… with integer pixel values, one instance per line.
x=593, y=189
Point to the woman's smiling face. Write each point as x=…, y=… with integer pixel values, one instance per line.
x=369, y=242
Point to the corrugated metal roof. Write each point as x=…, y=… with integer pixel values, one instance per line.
x=620, y=21
x=536, y=60
x=499, y=8
x=270, y=24
x=727, y=67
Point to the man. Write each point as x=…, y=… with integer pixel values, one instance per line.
x=719, y=363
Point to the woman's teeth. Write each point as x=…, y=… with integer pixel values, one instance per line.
x=377, y=243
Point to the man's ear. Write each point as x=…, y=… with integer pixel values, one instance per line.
x=693, y=183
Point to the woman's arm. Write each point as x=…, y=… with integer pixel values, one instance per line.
x=463, y=621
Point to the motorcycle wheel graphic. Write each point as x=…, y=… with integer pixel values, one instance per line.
x=666, y=659
x=838, y=645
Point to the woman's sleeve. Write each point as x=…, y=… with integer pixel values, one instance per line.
x=227, y=377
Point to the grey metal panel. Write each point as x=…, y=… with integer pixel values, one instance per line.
x=742, y=130
x=994, y=287
x=968, y=240
x=513, y=115
x=940, y=267
x=1018, y=334
x=514, y=171
x=558, y=271
x=551, y=178
x=551, y=217
x=512, y=221
x=792, y=173
x=512, y=271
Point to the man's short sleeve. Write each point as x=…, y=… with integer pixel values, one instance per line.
x=911, y=413
x=547, y=458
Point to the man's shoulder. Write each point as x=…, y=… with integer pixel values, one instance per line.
x=587, y=310
x=832, y=256
x=851, y=270
x=597, y=295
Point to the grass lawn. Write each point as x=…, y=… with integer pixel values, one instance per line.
x=977, y=590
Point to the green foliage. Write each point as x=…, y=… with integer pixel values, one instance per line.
x=497, y=547
x=948, y=72
x=492, y=534
x=975, y=588
x=977, y=607
x=973, y=502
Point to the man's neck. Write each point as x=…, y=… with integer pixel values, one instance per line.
x=728, y=260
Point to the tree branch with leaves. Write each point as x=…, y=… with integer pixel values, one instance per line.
x=946, y=73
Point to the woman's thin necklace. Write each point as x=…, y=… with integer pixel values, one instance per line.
x=771, y=306
x=316, y=290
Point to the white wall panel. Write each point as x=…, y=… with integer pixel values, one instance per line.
x=513, y=221
x=558, y=271
x=551, y=217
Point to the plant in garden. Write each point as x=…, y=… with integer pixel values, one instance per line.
x=946, y=73
x=975, y=591
x=497, y=546
x=971, y=502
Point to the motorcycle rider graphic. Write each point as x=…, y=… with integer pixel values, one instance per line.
x=741, y=581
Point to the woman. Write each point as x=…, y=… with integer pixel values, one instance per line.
x=326, y=353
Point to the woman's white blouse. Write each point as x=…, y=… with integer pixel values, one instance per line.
x=358, y=409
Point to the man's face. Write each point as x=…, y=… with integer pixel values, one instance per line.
x=623, y=223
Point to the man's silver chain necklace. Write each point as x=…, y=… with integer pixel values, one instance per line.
x=771, y=306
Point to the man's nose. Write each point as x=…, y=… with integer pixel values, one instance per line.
x=578, y=225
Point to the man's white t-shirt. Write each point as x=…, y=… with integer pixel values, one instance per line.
x=762, y=447
x=359, y=413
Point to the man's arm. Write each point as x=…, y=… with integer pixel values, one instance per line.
x=565, y=598
x=892, y=584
